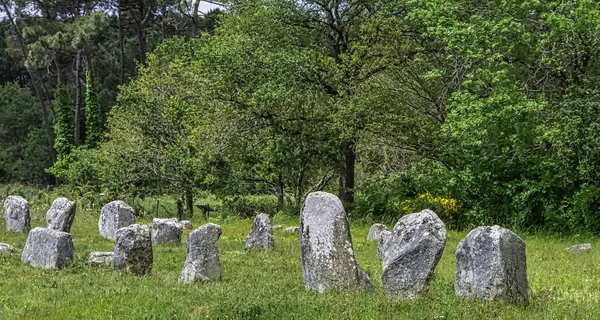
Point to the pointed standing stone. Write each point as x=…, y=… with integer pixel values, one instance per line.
x=375, y=231
x=16, y=214
x=48, y=248
x=261, y=235
x=411, y=253
x=61, y=214
x=491, y=265
x=114, y=216
x=133, y=250
x=328, y=261
x=202, y=259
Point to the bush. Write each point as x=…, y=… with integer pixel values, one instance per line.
x=248, y=206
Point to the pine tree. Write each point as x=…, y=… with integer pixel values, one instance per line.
x=93, y=117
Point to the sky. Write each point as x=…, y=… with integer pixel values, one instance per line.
x=204, y=6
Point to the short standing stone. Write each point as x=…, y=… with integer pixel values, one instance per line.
x=202, y=260
x=292, y=230
x=411, y=253
x=61, y=214
x=186, y=224
x=133, y=250
x=101, y=258
x=6, y=250
x=383, y=236
x=114, y=216
x=261, y=235
x=491, y=265
x=375, y=231
x=48, y=248
x=166, y=231
x=579, y=247
x=16, y=214
x=328, y=261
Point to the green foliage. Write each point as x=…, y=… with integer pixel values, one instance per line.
x=63, y=121
x=93, y=115
x=248, y=206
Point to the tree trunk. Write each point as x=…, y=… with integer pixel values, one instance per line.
x=346, y=186
x=36, y=80
x=143, y=40
x=280, y=193
x=122, y=47
x=195, y=19
x=78, y=94
x=189, y=201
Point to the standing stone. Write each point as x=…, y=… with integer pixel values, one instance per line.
x=292, y=230
x=100, y=258
x=48, y=248
x=261, y=235
x=166, y=231
x=202, y=260
x=491, y=265
x=375, y=231
x=383, y=236
x=328, y=261
x=186, y=224
x=133, y=250
x=16, y=214
x=61, y=214
x=411, y=253
x=114, y=216
x=579, y=247
x=6, y=250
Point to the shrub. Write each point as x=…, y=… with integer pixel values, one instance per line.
x=445, y=208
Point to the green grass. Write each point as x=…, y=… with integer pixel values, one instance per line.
x=268, y=285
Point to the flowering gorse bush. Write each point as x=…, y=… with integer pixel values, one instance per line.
x=445, y=208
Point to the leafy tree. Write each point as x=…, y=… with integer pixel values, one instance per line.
x=63, y=121
x=93, y=116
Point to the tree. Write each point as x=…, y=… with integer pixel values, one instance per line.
x=63, y=121
x=93, y=116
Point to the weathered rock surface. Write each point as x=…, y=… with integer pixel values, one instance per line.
x=61, y=214
x=579, y=247
x=202, y=259
x=383, y=236
x=166, y=231
x=292, y=230
x=48, y=248
x=186, y=224
x=6, y=250
x=261, y=235
x=328, y=261
x=411, y=253
x=114, y=216
x=491, y=265
x=276, y=227
x=16, y=214
x=101, y=258
x=375, y=231
x=133, y=250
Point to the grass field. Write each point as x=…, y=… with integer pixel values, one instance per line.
x=268, y=285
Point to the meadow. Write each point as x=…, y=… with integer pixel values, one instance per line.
x=268, y=285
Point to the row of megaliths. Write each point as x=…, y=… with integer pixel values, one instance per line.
x=50, y=247
x=491, y=261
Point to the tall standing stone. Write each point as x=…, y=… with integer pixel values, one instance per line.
x=16, y=214
x=48, y=248
x=61, y=214
x=114, y=216
x=261, y=235
x=328, y=261
x=375, y=231
x=202, y=259
x=166, y=231
x=491, y=265
x=133, y=250
x=411, y=253
x=383, y=236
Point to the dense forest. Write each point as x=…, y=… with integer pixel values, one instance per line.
x=486, y=111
